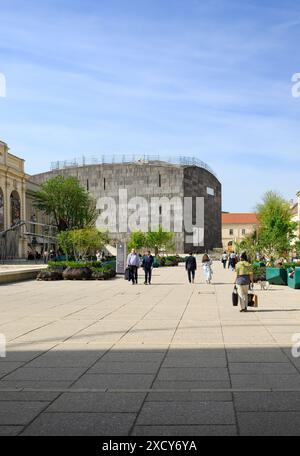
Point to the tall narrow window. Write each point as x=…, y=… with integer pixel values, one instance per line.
x=1, y=211
x=15, y=208
x=159, y=180
x=160, y=210
x=104, y=183
x=87, y=185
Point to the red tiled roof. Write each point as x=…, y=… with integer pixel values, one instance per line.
x=239, y=218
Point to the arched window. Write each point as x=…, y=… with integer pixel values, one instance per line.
x=15, y=208
x=1, y=210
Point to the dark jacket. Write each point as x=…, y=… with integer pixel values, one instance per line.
x=191, y=263
x=147, y=262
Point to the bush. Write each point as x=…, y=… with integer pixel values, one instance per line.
x=168, y=260
x=83, y=273
x=49, y=275
x=290, y=265
x=259, y=273
x=72, y=270
x=103, y=273
x=73, y=264
x=181, y=259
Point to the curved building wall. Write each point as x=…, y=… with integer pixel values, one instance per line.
x=150, y=180
x=199, y=182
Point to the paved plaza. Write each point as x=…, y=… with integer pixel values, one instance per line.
x=110, y=358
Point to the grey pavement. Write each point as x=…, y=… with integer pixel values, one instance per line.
x=173, y=358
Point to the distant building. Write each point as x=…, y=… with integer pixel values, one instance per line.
x=16, y=209
x=235, y=226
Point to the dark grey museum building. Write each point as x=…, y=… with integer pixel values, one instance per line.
x=155, y=179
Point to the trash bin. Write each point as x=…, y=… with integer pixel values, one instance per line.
x=294, y=281
x=276, y=276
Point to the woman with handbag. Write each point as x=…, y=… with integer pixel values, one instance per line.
x=244, y=276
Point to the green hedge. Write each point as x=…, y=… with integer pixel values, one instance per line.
x=259, y=273
x=170, y=260
x=82, y=264
x=290, y=265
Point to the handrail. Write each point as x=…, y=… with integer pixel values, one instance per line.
x=83, y=161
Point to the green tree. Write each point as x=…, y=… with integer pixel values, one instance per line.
x=276, y=228
x=160, y=239
x=297, y=247
x=83, y=242
x=137, y=240
x=67, y=203
x=250, y=244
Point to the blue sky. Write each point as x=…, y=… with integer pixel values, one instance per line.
x=210, y=79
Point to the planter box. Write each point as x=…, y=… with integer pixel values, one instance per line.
x=276, y=276
x=294, y=282
x=77, y=273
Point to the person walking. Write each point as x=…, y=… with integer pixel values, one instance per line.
x=147, y=265
x=224, y=259
x=133, y=263
x=45, y=256
x=207, y=264
x=232, y=261
x=244, y=276
x=191, y=267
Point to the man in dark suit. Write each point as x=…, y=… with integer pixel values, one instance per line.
x=148, y=265
x=191, y=267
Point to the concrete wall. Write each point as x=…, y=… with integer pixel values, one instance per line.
x=148, y=180
x=199, y=182
x=238, y=234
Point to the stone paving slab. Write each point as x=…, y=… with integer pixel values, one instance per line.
x=46, y=374
x=190, y=430
x=125, y=368
x=195, y=362
x=34, y=384
x=261, y=381
x=98, y=402
x=267, y=402
x=188, y=385
x=30, y=396
x=66, y=359
x=269, y=423
x=262, y=368
x=115, y=381
x=81, y=424
x=188, y=396
x=19, y=413
x=7, y=367
x=10, y=431
x=192, y=374
x=183, y=413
